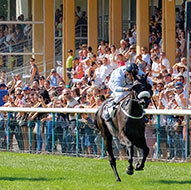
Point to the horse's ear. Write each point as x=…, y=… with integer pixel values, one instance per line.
x=137, y=77
x=146, y=75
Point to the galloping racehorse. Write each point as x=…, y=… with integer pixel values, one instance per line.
x=129, y=122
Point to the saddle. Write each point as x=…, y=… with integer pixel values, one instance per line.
x=109, y=108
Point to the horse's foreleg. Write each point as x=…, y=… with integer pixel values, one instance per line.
x=145, y=154
x=130, y=167
x=108, y=145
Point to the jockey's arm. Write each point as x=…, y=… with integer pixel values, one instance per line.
x=118, y=88
x=121, y=89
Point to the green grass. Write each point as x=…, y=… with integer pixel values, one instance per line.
x=34, y=172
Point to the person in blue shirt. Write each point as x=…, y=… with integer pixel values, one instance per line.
x=54, y=78
x=3, y=92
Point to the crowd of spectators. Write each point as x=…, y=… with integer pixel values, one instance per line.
x=18, y=37
x=14, y=38
x=80, y=22
x=88, y=74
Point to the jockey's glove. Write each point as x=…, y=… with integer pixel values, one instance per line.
x=127, y=89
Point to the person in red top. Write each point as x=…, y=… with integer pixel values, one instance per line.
x=120, y=60
x=80, y=71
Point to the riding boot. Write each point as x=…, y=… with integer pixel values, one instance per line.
x=110, y=110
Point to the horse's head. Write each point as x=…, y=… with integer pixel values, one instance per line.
x=142, y=90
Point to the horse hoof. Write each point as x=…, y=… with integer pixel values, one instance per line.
x=130, y=172
x=138, y=167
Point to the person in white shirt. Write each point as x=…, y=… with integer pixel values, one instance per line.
x=123, y=47
x=106, y=69
x=131, y=54
x=165, y=62
x=156, y=66
x=97, y=78
x=145, y=56
x=113, y=57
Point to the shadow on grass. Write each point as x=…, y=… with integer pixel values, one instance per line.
x=29, y=179
x=168, y=182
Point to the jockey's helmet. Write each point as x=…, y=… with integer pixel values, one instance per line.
x=131, y=68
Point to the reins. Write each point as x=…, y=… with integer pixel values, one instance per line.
x=131, y=116
x=125, y=97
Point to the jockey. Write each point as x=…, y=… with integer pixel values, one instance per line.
x=121, y=81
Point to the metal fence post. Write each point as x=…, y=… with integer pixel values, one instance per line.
x=187, y=152
x=77, y=134
x=187, y=147
x=158, y=138
x=53, y=134
x=103, y=148
x=30, y=137
x=8, y=134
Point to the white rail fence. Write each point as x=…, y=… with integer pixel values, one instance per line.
x=158, y=112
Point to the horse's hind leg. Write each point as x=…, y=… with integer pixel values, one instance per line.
x=108, y=145
x=145, y=154
x=130, y=167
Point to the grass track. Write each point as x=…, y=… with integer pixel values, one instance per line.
x=36, y=172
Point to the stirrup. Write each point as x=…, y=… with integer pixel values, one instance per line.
x=114, y=103
x=107, y=117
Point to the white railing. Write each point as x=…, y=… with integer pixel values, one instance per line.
x=90, y=110
x=48, y=110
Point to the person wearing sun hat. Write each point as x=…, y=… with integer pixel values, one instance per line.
x=180, y=68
